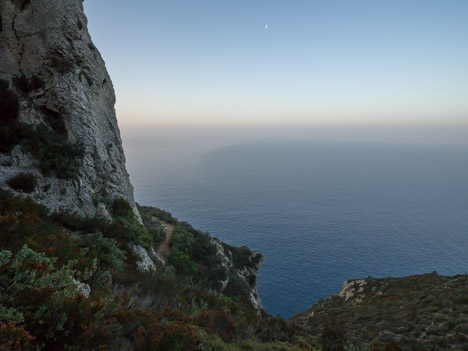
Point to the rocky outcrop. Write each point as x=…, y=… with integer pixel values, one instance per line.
x=246, y=272
x=55, y=78
x=419, y=312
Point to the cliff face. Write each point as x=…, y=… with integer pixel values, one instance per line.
x=58, y=121
x=60, y=143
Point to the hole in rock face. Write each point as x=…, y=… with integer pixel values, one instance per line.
x=9, y=111
x=9, y=104
x=26, y=85
x=24, y=182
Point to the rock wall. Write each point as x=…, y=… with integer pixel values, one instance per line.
x=51, y=66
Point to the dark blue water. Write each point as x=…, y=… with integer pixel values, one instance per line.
x=320, y=213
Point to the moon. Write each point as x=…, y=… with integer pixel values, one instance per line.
x=266, y=26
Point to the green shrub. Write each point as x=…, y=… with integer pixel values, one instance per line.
x=54, y=154
x=121, y=208
x=125, y=224
x=25, y=182
x=182, y=263
x=150, y=212
x=43, y=299
x=237, y=286
x=103, y=250
x=157, y=235
x=177, y=336
x=242, y=256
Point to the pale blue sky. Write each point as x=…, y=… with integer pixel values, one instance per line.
x=319, y=62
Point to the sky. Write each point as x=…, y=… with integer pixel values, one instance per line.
x=285, y=62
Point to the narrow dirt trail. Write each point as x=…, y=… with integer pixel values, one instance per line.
x=164, y=249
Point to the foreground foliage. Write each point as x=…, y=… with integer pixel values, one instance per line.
x=49, y=263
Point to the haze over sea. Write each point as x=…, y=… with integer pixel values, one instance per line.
x=321, y=212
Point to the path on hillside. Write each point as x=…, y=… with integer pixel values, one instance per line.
x=164, y=249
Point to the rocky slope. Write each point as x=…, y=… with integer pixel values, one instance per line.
x=421, y=312
x=74, y=283
x=231, y=270
x=54, y=79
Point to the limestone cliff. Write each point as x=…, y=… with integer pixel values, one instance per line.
x=60, y=143
x=58, y=122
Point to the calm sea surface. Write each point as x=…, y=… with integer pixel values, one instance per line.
x=320, y=213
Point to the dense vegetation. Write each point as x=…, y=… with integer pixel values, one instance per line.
x=422, y=312
x=49, y=263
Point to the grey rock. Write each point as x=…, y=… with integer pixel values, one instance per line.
x=249, y=273
x=49, y=39
x=145, y=263
x=83, y=288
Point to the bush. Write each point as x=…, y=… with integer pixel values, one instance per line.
x=219, y=323
x=103, y=250
x=157, y=212
x=182, y=263
x=14, y=338
x=25, y=182
x=237, y=286
x=54, y=154
x=121, y=208
x=242, y=256
x=178, y=337
x=44, y=300
x=333, y=336
x=126, y=225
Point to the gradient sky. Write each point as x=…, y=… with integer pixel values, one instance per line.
x=319, y=62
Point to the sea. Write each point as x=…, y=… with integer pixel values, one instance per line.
x=321, y=212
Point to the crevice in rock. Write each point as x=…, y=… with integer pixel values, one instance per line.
x=20, y=46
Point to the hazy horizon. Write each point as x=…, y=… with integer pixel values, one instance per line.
x=353, y=69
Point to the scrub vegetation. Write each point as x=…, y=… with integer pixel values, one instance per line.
x=47, y=261
x=421, y=312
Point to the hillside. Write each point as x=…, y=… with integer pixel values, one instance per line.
x=421, y=312
x=71, y=283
